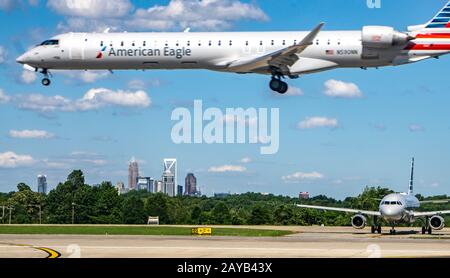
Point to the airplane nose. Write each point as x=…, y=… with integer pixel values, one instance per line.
x=21, y=59
x=392, y=213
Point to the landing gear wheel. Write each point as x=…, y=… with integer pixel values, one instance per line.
x=278, y=86
x=424, y=230
x=379, y=229
x=284, y=88
x=46, y=82
x=393, y=232
x=373, y=229
x=430, y=231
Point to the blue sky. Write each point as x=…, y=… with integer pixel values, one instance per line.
x=403, y=111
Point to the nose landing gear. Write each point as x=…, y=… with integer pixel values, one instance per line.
x=279, y=86
x=46, y=80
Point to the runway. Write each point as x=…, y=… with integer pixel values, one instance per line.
x=307, y=242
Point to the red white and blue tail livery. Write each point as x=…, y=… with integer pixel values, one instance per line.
x=281, y=55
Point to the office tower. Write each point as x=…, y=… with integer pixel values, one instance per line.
x=42, y=184
x=303, y=195
x=180, y=190
x=170, y=178
x=145, y=183
x=159, y=187
x=190, y=185
x=120, y=186
x=133, y=174
x=168, y=181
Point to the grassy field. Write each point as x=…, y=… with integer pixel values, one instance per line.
x=137, y=230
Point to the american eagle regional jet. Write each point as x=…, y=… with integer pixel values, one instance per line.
x=394, y=209
x=279, y=54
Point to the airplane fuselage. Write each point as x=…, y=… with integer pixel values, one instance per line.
x=398, y=207
x=213, y=51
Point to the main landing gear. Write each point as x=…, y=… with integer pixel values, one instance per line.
x=376, y=229
x=46, y=80
x=279, y=86
x=427, y=228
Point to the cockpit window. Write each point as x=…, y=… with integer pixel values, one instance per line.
x=393, y=202
x=50, y=42
x=399, y=203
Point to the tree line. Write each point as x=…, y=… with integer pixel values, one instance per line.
x=73, y=201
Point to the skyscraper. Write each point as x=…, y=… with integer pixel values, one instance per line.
x=168, y=181
x=190, y=185
x=42, y=184
x=170, y=176
x=133, y=174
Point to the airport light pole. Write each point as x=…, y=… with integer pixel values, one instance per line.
x=73, y=213
x=10, y=212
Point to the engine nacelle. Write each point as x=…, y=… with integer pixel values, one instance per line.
x=383, y=37
x=359, y=221
x=437, y=222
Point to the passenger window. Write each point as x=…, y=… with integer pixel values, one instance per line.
x=121, y=43
x=177, y=44
x=210, y=43
x=144, y=43
x=231, y=43
x=188, y=43
x=220, y=43
x=261, y=43
x=246, y=43
x=284, y=42
x=101, y=43
x=273, y=42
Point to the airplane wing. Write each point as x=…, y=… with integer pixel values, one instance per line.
x=281, y=59
x=436, y=202
x=366, y=212
x=430, y=213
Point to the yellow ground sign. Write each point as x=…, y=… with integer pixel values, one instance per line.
x=202, y=231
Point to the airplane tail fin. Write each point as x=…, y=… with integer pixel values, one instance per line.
x=441, y=21
x=411, y=181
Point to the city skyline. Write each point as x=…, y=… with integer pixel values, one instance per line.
x=339, y=131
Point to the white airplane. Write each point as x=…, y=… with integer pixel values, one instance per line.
x=279, y=54
x=395, y=208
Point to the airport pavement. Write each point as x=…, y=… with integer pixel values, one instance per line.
x=307, y=242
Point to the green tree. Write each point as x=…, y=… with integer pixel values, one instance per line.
x=260, y=215
x=221, y=214
x=133, y=211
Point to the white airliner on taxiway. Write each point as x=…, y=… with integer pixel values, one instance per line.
x=279, y=54
x=396, y=208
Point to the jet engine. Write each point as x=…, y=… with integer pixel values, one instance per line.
x=383, y=37
x=359, y=221
x=437, y=222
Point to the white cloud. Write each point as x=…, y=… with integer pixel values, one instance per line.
x=92, y=100
x=206, y=14
x=317, y=122
x=88, y=77
x=301, y=177
x=8, y=5
x=340, y=89
x=416, y=128
x=120, y=15
x=3, y=97
x=28, y=76
x=30, y=134
x=246, y=160
x=227, y=169
x=91, y=8
x=13, y=160
x=2, y=54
